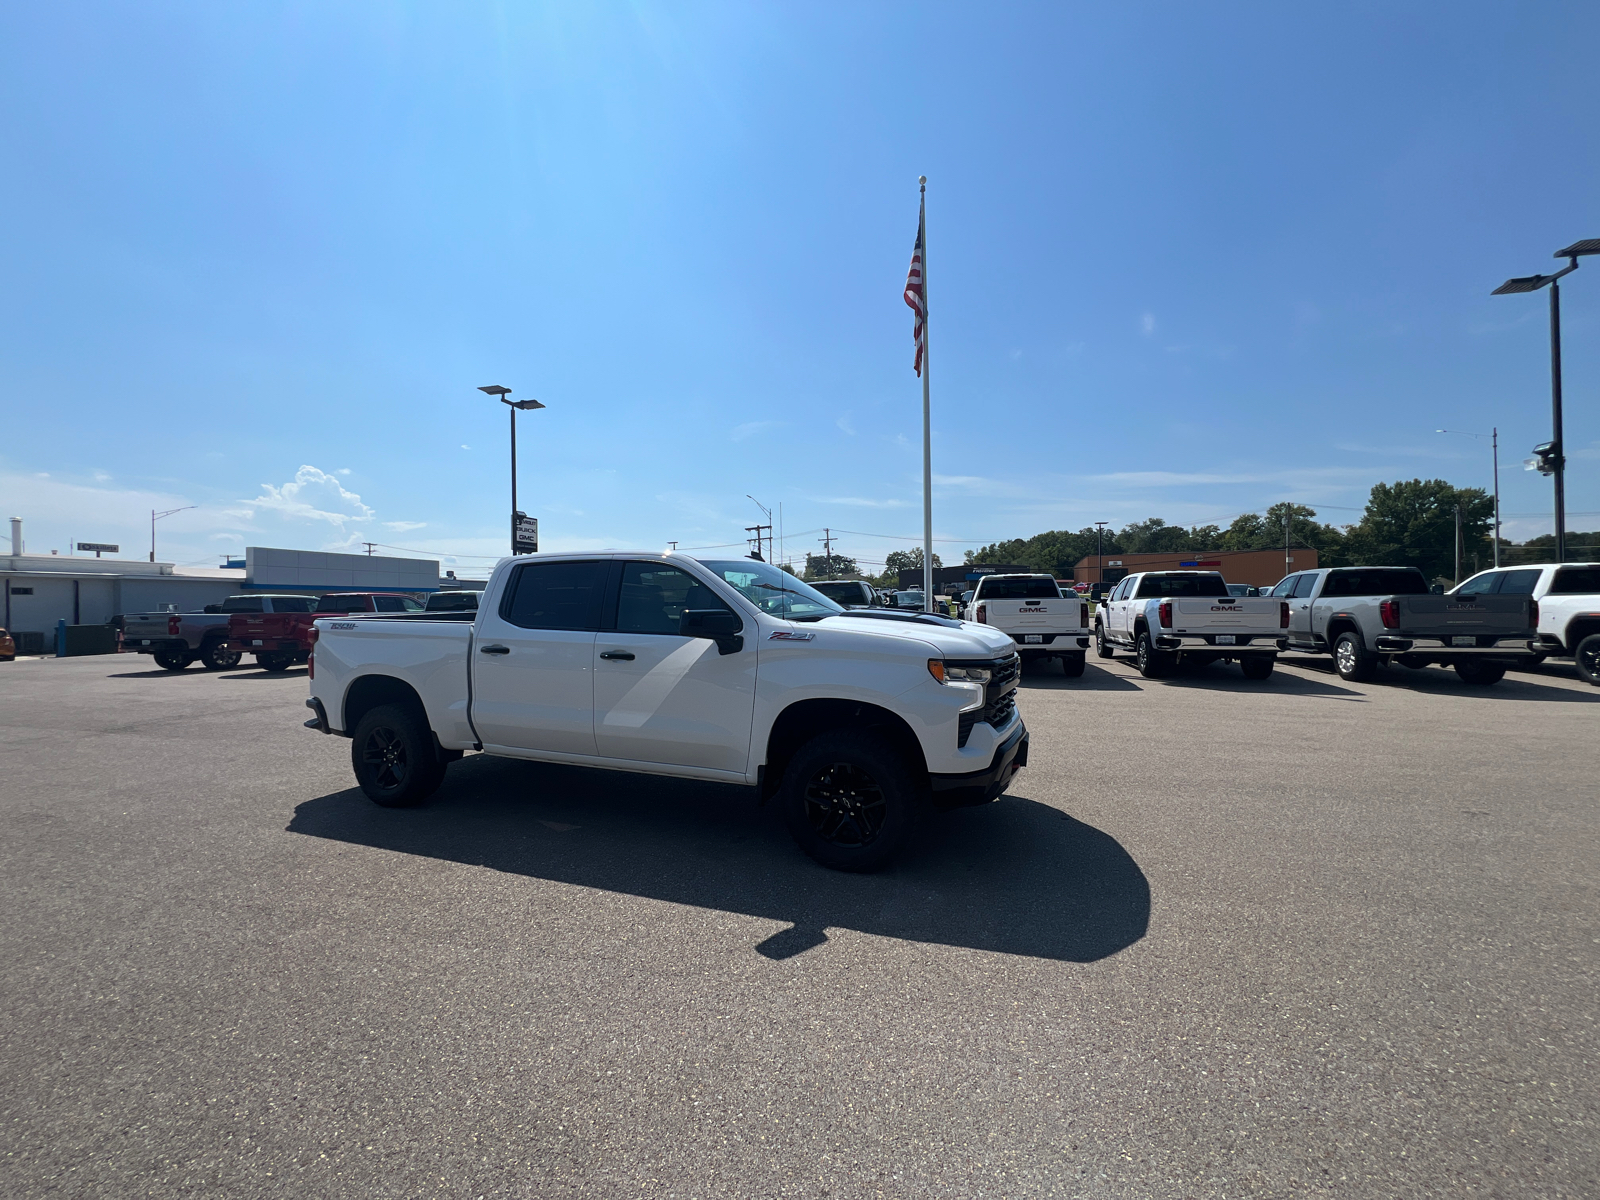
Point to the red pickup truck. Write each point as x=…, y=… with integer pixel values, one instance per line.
x=279, y=640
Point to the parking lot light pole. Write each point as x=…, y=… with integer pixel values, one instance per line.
x=1494, y=446
x=1557, y=457
x=156, y=516
x=494, y=389
x=1100, y=551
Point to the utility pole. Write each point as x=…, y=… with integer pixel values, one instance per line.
x=674, y=545
x=1287, y=559
x=757, y=539
x=827, y=549
x=369, y=546
x=1100, y=551
x=1458, y=544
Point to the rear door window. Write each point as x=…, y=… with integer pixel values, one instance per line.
x=1518, y=583
x=556, y=595
x=1576, y=581
x=1304, y=585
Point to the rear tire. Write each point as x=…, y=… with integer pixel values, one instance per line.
x=1101, y=646
x=1480, y=674
x=1587, y=657
x=1153, y=664
x=173, y=660
x=1072, y=665
x=849, y=799
x=393, y=757
x=1258, y=666
x=275, y=662
x=1352, y=660
x=216, y=658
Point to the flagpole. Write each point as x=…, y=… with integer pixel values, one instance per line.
x=927, y=433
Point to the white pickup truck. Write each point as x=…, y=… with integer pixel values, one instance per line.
x=1171, y=617
x=1031, y=610
x=725, y=670
x=1566, y=598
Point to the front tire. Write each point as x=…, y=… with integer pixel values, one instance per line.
x=849, y=799
x=216, y=658
x=1352, y=659
x=393, y=757
x=1587, y=657
x=1072, y=665
x=173, y=660
x=1101, y=646
x=1256, y=667
x=1480, y=674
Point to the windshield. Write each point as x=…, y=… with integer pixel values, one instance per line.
x=773, y=591
x=1038, y=588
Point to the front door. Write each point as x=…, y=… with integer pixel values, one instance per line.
x=533, y=659
x=660, y=697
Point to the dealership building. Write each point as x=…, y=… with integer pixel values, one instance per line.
x=43, y=590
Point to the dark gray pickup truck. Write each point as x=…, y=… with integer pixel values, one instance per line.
x=1370, y=616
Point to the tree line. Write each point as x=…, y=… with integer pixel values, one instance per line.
x=1408, y=523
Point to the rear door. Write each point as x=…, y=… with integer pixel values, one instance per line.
x=660, y=697
x=1301, y=625
x=533, y=659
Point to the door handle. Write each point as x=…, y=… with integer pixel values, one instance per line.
x=494, y=649
x=624, y=655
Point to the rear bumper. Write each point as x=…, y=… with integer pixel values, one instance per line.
x=980, y=787
x=264, y=646
x=1441, y=648
x=155, y=645
x=319, y=721
x=1051, y=643
x=1245, y=643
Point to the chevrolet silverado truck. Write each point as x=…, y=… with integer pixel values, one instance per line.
x=1032, y=612
x=1567, y=596
x=1366, y=617
x=281, y=639
x=1168, y=618
x=730, y=671
x=178, y=639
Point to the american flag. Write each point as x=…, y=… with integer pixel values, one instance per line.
x=917, y=298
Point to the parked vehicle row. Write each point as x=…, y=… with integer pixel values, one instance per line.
x=1566, y=599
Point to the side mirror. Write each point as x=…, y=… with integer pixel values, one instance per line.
x=719, y=624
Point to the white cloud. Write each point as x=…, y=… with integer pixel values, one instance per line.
x=342, y=471
x=313, y=495
x=403, y=526
x=844, y=424
x=860, y=502
x=751, y=428
x=464, y=446
x=1148, y=324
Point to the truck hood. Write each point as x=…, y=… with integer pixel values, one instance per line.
x=965, y=639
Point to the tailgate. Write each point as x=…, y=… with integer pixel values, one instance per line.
x=251, y=627
x=1042, y=616
x=1478, y=616
x=1213, y=616
x=148, y=625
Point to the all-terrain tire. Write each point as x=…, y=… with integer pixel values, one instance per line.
x=393, y=756
x=173, y=660
x=1072, y=664
x=850, y=798
x=1587, y=657
x=1101, y=646
x=1480, y=674
x=1152, y=663
x=279, y=661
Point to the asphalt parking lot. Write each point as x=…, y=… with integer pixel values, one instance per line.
x=1290, y=938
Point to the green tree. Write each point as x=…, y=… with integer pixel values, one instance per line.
x=1412, y=523
x=830, y=566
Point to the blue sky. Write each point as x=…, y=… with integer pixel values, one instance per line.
x=1185, y=261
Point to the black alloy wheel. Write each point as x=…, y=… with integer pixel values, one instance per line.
x=172, y=660
x=1151, y=662
x=1587, y=657
x=850, y=798
x=393, y=757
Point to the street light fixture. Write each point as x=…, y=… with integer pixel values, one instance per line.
x=1494, y=440
x=500, y=393
x=156, y=516
x=1557, y=456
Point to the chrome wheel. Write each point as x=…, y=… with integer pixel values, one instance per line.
x=1345, y=653
x=844, y=805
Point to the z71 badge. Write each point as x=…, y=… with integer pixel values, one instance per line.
x=789, y=635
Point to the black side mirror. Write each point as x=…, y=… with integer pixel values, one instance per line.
x=718, y=624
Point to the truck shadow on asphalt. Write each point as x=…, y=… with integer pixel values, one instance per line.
x=1213, y=675
x=1016, y=876
x=1437, y=681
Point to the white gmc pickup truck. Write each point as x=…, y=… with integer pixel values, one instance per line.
x=1170, y=617
x=1034, y=613
x=725, y=670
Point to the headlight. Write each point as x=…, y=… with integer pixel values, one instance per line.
x=949, y=673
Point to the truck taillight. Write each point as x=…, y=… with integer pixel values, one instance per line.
x=982, y=614
x=172, y=626
x=1389, y=613
x=311, y=635
x=1283, y=614
x=1164, y=614
x=1083, y=616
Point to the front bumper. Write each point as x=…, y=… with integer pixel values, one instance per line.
x=980, y=787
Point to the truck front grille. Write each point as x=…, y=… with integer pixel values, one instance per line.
x=1000, y=698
